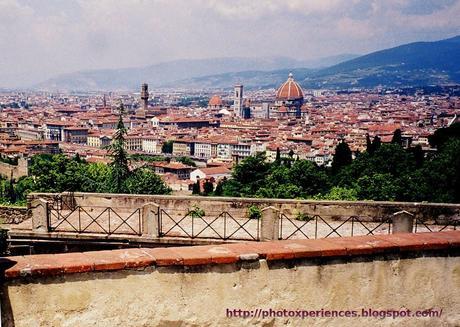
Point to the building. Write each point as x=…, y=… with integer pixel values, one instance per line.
x=176, y=168
x=215, y=103
x=290, y=98
x=214, y=174
x=203, y=150
x=238, y=101
x=78, y=135
x=151, y=144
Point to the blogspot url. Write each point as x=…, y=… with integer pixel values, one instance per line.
x=325, y=313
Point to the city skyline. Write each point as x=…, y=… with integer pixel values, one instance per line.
x=42, y=39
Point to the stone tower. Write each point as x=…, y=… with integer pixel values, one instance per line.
x=238, y=101
x=145, y=96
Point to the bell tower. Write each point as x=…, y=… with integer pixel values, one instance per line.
x=238, y=100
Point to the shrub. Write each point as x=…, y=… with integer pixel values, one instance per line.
x=196, y=212
x=254, y=212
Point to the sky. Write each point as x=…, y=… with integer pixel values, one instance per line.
x=40, y=39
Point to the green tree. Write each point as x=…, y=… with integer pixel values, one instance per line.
x=145, y=181
x=278, y=157
x=443, y=135
x=186, y=161
x=220, y=187
x=342, y=157
x=119, y=165
x=340, y=194
x=196, y=188
x=208, y=188
x=250, y=174
x=309, y=177
x=397, y=137
x=379, y=187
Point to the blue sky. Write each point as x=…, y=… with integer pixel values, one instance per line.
x=42, y=38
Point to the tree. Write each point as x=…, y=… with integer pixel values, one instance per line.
x=309, y=178
x=220, y=187
x=145, y=181
x=340, y=194
x=196, y=188
x=342, y=157
x=377, y=187
x=208, y=187
x=397, y=137
x=443, y=135
x=278, y=157
x=119, y=165
x=376, y=143
x=186, y=161
x=167, y=147
x=250, y=174
x=369, y=148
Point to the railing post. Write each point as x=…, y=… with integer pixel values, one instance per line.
x=150, y=226
x=269, y=225
x=40, y=219
x=403, y=222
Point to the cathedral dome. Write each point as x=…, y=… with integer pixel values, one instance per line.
x=215, y=101
x=289, y=91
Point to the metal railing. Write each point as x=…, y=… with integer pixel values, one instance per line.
x=421, y=226
x=313, y=227
x=100, y=220
x=223, y=226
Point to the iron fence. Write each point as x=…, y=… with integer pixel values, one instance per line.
x=100, y=220
x=422, y=226
x=313, y=227
x=220, y=225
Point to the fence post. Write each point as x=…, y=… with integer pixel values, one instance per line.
x=403, y=222
x=40, y=221
x=150, y=227
x=269, y=225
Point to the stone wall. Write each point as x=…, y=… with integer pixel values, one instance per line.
x=197, y=286
x=17, y=171
x=13, y=215
x=334, y=210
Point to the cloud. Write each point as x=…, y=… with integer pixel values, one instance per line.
x=42, y=38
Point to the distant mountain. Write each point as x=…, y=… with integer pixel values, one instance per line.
x=414, y=64
x=169, y=72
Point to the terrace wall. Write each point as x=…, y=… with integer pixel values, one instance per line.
x=194, y=286
x=439, y=213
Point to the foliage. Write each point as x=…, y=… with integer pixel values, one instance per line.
x=186, y=161
x=208, y=188
x=145, y=181
x=339, y=194
x=342, y=157
x=10, y=161
x=196, y=212
x=119, y=166
x=302, y=216
x=254, y=212
x=196, y=188
x=388, y=172
x=443, y=135
x=397, y=137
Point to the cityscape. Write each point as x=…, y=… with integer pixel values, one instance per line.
x=224, y=163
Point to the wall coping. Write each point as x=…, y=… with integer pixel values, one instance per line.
x=43, y=265
x=2, y=206
x=252, y=200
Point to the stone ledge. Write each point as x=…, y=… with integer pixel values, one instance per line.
x=138, y=258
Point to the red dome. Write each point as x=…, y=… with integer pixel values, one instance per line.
x=215, y=101
x=290, y=90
